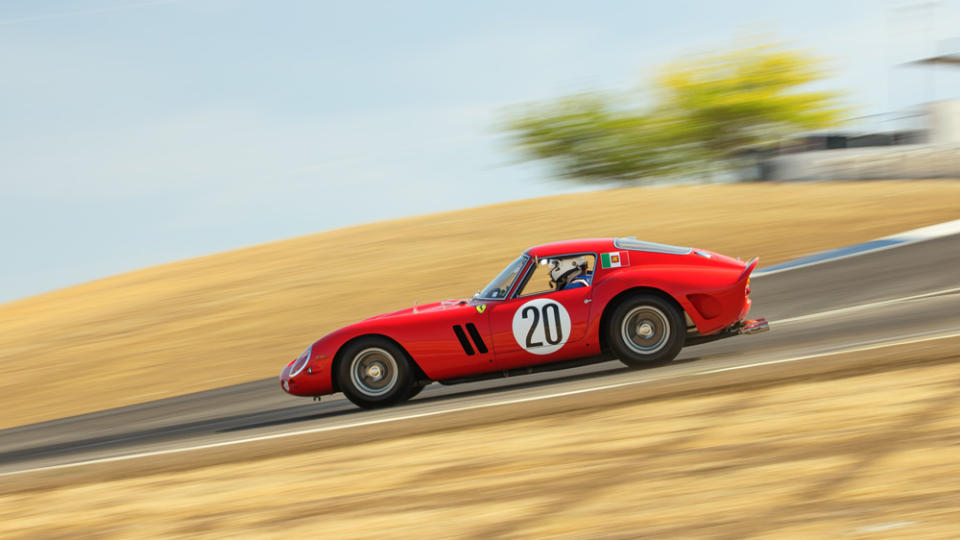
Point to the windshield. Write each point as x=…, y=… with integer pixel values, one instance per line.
x=500, y=286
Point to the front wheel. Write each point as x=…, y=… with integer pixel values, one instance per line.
x=645, y=330
x=415, y=389
x=375, y=372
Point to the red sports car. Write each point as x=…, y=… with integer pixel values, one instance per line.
x=557, y=305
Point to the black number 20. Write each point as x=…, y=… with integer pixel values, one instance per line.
x=547, y=332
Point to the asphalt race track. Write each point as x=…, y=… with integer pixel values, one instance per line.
x=905, y=292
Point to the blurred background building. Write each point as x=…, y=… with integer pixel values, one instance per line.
x=921, y=141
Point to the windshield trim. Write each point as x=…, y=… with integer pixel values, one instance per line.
x=526, y=261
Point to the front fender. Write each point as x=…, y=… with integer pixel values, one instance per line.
x=317, y=377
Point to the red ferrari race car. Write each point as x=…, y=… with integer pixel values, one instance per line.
x=557, y=305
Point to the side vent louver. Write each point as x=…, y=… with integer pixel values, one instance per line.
x=481, y=346
x=474, y=334
x=464, y=342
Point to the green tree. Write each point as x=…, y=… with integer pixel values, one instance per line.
x=705, y=112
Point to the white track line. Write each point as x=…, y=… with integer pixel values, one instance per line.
x=477, y=406
x=939, y=230
x=861, y=307
x=905, y=238
x=859, y=348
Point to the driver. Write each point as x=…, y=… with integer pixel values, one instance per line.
x=569, y=273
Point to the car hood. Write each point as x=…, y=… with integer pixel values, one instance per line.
x=422, y=308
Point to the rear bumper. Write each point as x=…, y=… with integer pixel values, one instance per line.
x=747, y=303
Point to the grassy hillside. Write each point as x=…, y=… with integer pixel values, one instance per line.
x=240, y=315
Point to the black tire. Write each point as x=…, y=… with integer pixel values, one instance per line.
x=645, y=330
x=375, y=372
x=415, y=389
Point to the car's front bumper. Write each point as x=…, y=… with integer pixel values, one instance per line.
x=314, y=380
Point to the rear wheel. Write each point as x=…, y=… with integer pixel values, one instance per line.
x=375, y=372
x=645, y=330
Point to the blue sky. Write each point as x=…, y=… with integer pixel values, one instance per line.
x=135, y=132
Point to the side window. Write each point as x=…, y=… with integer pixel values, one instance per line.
x=559, y=273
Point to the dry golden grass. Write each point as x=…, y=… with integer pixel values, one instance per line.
x=872, y=453
x=239, y=316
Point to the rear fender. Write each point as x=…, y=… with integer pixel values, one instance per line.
x=710, y=297
x=751, y=266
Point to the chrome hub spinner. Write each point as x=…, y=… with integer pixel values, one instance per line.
x=375, y=372
x=645, y=330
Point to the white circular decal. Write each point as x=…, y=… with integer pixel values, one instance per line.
x=541, y=326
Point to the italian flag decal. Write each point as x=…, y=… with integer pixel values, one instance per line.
x=615, y=259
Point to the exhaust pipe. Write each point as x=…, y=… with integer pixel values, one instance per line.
x=754, y=326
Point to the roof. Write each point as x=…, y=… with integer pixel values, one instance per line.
x=598, y=245
x=572, y=246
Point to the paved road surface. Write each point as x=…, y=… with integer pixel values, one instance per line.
x=911, y=290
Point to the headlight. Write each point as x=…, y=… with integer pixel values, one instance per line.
x=301, y=361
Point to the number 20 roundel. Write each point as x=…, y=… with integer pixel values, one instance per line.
x=541, y=326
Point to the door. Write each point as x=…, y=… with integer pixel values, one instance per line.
x=541, y=326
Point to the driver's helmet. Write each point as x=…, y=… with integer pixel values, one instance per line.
x=562, y=271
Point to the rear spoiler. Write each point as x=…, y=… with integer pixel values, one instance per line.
x=749, y=268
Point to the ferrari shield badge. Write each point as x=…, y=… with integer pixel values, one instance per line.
x=481, y=308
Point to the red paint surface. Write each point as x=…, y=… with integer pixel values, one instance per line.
x=712, y=291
